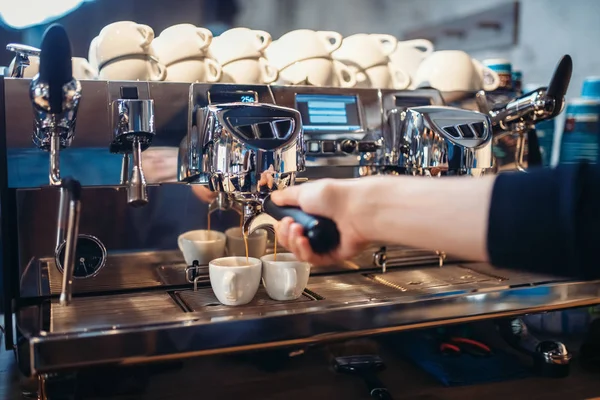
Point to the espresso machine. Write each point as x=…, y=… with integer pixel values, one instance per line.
x=85, y=282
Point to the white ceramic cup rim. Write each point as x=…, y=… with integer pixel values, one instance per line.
x=218, y=236
x=235, y=262
x=283, y=259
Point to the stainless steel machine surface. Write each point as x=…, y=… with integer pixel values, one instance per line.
x=129, y=297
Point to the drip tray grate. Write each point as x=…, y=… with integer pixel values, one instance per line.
x=204, y=299
x=434, y=278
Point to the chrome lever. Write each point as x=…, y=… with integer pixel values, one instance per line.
x=21, y=61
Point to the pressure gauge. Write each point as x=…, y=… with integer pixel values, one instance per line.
x=90, y=257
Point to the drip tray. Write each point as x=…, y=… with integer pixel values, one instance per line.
x=436, y=279
x=204, y=299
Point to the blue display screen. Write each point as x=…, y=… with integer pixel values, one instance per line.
x=232, y=97
x=328, y=112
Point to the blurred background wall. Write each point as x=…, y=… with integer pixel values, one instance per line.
x=546, y=28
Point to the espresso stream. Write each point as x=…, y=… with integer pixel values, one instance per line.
x=245, y=236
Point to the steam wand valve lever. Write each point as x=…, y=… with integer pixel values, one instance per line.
x=55, y=97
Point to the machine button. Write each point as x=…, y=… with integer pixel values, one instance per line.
x=348, y=146
x=314, y=147
x=329, y=146
x=129, y=92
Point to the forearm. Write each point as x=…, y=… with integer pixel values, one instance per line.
x=448, y=214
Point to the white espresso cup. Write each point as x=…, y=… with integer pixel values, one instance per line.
x=249, y=71
x=182, y=42
x=318, y=72
x=455, y=70
x=239, y=44
x=257, y=243
x=286, y=278
x=119, y=39
x=302, y=44
x=194, y=70
x=235, y=280
x=382, y=77
x=201, y=245
x=409, y=55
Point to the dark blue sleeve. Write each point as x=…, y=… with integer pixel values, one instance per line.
x=547, y=220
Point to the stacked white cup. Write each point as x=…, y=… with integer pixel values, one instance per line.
x=239, y=51
x=183, y=49
x=367, y=55
x=409, y=55
x=123, y=51
x=303, y=57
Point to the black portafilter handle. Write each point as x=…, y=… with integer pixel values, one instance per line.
x=56, y=68
x=322, y=233
x=560, y=81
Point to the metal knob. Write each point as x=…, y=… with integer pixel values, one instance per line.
x=21, y=61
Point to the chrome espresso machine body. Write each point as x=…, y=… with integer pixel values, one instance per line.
x=132, y=299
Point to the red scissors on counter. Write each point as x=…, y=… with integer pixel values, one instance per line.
x=460, y=345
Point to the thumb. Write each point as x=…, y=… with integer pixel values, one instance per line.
x=286, y=197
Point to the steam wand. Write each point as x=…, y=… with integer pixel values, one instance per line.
x=55, y=96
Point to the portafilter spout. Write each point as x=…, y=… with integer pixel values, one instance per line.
x=245, y=151
x=55, y=96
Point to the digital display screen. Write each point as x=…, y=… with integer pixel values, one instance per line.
x=232, y=97
x=413, y=101
x=328, y=112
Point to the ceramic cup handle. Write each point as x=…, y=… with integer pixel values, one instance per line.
x=331, y=40
x=269, y=73
x=346, y=77
x=264, y=39
x=158, y=72
x=205, y=38
x=423, y=45
x=291, y=280
x=229, y=285
x=400, y=79
x=213, y=70
x=388, y=42
x=147, y=33
x=490, y=78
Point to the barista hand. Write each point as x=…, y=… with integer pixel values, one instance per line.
x=328, y=198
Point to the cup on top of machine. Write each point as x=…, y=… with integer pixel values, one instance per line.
x=367, y=55
x=123, y=51
x=303, y=57
x=239, y=51
x=201, y=245
x=257, y=243
x=82, y=69
x=235, y=280
x=503, y=68
x=182, y=48
x=284, y=278
x=408, y=56
x=455, y=70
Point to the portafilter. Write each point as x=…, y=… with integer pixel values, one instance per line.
x=246, y=151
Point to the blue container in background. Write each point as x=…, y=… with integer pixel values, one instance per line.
x=581, y=134
x=591, y=87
